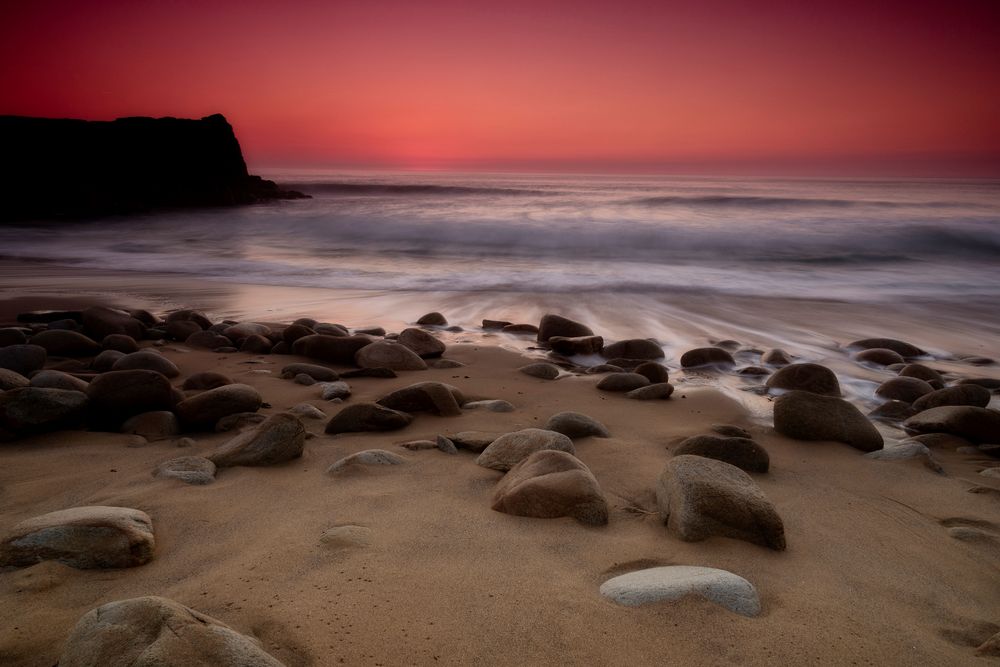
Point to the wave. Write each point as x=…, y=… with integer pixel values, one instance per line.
x=751, y=201
x=410, y=189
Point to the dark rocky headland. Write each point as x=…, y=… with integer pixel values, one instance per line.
x=66, y=168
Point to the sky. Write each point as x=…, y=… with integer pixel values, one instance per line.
x=694, y=86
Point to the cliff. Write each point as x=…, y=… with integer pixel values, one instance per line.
x=64, y=168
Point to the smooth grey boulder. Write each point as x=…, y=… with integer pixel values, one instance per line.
x=277, y=439
x=394, y=356
x=511, y=448
x=803, y=415
x=30, y=410
x=634, y=348
x=332, y=390
x=203, y=411
x=673, y=582
x=906, y=451
x=576, y=425
x=805, y=377
x=549, y=484
x=433, y=397
x=189, y=469
x=307, y=410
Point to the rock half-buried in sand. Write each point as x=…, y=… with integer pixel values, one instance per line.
x=393, y=356
x=152, y=631
x=369, y=457
x=279, y=438
x=674, y=582
x=622, y=382
x=207, y=408
x=978, y=425
x=660, y=391
x=188, y=469
x=806, y=416
x=899, y=347
x=806, y=377
x=434, y=397
x=576, y=425
x=542, y=370
x=367, y=417
x=550, y=484
x=699, y=498
x=743, y=453
x=511, y=448
x=83, y=537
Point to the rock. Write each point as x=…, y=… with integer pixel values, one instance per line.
x=307, y=410
x=977, y=425
x=495, y=324
x=653, y=392
x=517, y=329
x=652, y=371
x=237, y=333
x=238, y=421
x=279, y=438
x=434, y=397
x=905, y=451
x=12, y=336
x=906, y=389
x=985, y=383
x=81, y=537
x=154, y=632
x=106, y=360
x=674, y=582
x=445, y=445
x=897, y=346
x=445, y=363
x=928, y=375
x=622, y=382
x=188, y=314
x=117, y=395
x=542, y=370
x=990, y=647
x=64, y=325
x=775, y=357
x=181, y=329
x=369, y=457
x=635, y=348
x=120, y=342
x=423, y=344
x=494, y=405
x=337, y=330
x=256, y=344
x=707, y=356
x=333, y=390
x=576, y=425
x=205, y=380
x=813, y=378
x=318, y=373
x=12, y=380
x=700, y=498
x=475, y=441
x=420, y=445
x=731, y=431
x=146, y=360
x=61, y=343
x=604, y=368
x=965, y=394
x=555, y=325
x=188, y=469
x=753, y=371
x=203, y=411
x=332, y=349
x=29, y=410
x=433, y=319
x=99, y=321
x=158, y=425
x=294, y=332
x=550, y=484
x=57, y=380
x=208, y=340
x=977, y=360
x=384, y=373
x=304, y=380
x=879, y=357
x=743, y=453
x=394, y=356
x=367, y=417
x=803, y=415
x=370, y=331
x=893, y=411
x=511, y=448
x=583, y=345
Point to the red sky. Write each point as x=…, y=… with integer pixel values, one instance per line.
x=701, y=85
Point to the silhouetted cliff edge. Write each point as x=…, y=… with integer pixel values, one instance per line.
x=64, y=168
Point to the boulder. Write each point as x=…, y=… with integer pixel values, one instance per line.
x=81, y=537
x=495, y=324
x=555, y=325
x=550, y=484
x=318, y=373
x=205, y=380
x=106, y=360
x=906, y=389
x=879, y=356
x=576, y=425
x=434, y=319
x=584, y=345
x=622, y=382
x=181, y=329
x=743, y=453
x=423, y=344
x=294, y=332
x=256, y=344
x=188, y=469
x=652, y=371
x=520, y=329
x=600, y=369
x=58, y=380
x=157, y=425
x=12, y=336
x=730, y=431
x=803, y=415
x=208, y=340
x=157, y=632
x=147, y=360
x=279, y=438
x=445, y=363
x=542, y=370
x=813, y=378
x=490, y=405
x=99, y=321
x=367, y=417
x=986, y=383
x=383, y=373
x=29, y=410
x=964, y=394
x=203, y=411
x=239, y=332
x=238, y=421
x=928, y=375
x=23, y=359
x=307, y=410
x=660, y=391
x=12, y=380
x=775, y=357
x=333, y=390
x=120, y=342
x=385, y=354
x=329, y=329
x=511, y=448
x=331, y=349
x=673, y=582
x=117, y=395
x=474, y=441
x=62, y=343
x=635, y=348
x=892, y=411
x=906, y=451
x=187, y=314
x=434, y=397
x=977, y=425
x=897, y=346
x=699, y=498
x=707, y=356
x=369, y=457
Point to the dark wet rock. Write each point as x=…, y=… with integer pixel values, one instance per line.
x=281, y=347
x=550, y=484
x=627, y=365
x=584, y=345
x=318, y=373
x=899, y=347
x=146, y=318
x=381, y=373
x=189, y=315
x=495, y=324
x=333, y=390
x=906, y=389
x=511, y=448
x=30, y=410
x=635, y=348
x=576, y=425
x=433, y=397
x=335, y=330
x=743, y=453
x=753, y=371
x=652, y=371
x=707, y=356
x=879, y=356
x=813, y=378
x=58, y=380
x=12, y=380
x=12, y=336
x=156, y=425
x=368, y=457
x=520, y=329
x=474, y=441
x=332, y=349
x=240, y=332
x=420, y=445
x=46, y=316
x=188, y=469
x=99, y=321
x=277, y=439
x=181, y=329
x=803, y=415
x=154, y=631
x=775, y=357
x=727, y=344
x=490, y=405
x=117, y=395
x=967, y=394
x=977, y=360
x=986, y=383
x=208, y=340
x=445, y=363
x=304, y=380
x=65, y=325
x=256, y=344
x=622, y=382
x=700, y=498
x=147, y=360
x=294, y=332
x=238, y=421
x=978, y=425
x=941, y=441
x=367, y=417
x=423, y=344
x=120, y=343
x=928, y=375
x=81, y=537
x=893, y=411
x=556, y=325
x=206, y=380
x=433, y=319
x=63, y=343
x=604, y=368
x=370, y=331
x=203, y=411
x=385, y=354
x=731, y=431
x=542, y=370
x=659, y=391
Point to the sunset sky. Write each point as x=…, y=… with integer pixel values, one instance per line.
x=843, y=86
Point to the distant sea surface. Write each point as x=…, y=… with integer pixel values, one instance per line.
x=855, y=240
